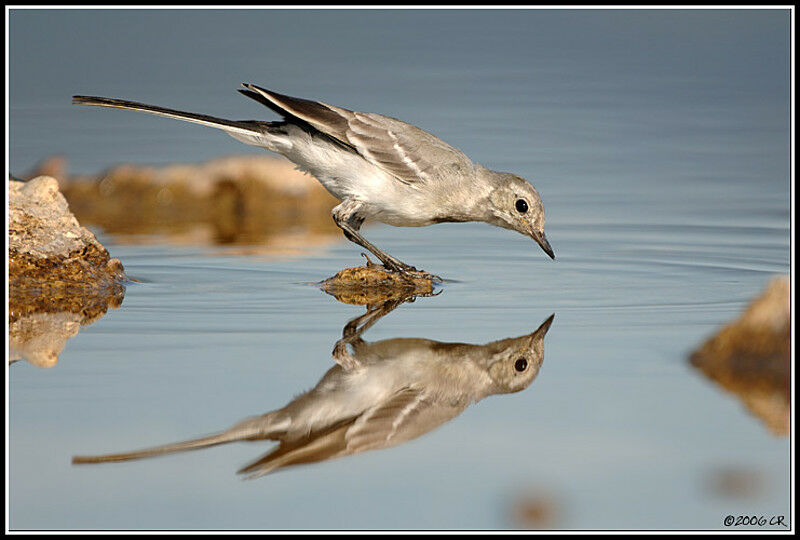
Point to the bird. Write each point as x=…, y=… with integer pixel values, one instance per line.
x=379, y=395
x=378, y=167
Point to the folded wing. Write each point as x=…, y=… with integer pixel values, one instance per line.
x=406, y=152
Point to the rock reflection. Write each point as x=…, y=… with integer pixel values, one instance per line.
x=377, y=395
x=40, y=321
x=536, y=510
x=751, y=357
x=734, y=482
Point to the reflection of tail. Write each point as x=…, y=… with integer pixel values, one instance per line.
x=260, y=427
x=204, y=442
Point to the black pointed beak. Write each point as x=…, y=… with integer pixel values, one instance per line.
x=545, y=326
x=541, y=239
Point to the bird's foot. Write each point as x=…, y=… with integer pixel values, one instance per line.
x=419, y=274
x=412, y=273
x=393, y=265
x=343, y=357
x=370, y=264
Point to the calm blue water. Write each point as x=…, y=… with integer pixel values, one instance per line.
x=659, y=141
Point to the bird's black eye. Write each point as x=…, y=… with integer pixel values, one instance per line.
x=522, y=206
x=521, y=364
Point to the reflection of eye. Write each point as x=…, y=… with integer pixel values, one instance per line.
x=521, y=364
x=521, y=206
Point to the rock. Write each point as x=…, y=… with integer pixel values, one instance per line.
x=47, y=247
x=250, y=200
x=60, y=276
x=536, y=510
x=751, y=356
x=733, y=482
x=55, y=166
x=373, y=284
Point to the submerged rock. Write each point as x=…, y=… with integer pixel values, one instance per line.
x=733, y=482
x=373, y=284
x=751, y=356
x=536, y=510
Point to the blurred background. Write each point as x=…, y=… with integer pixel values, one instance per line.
x=659, y=141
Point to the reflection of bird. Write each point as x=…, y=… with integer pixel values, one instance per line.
x=380, y=395
x=379, y=167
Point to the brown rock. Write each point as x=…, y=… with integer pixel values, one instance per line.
x=751, y=356
x=536, y=510
x=734, y=482
x=55, y=166
x=60, y=276
x=373, y=284
x=47, y=247
x=249, y=200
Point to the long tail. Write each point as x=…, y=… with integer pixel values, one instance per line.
x=248, y=131
x=258, y=427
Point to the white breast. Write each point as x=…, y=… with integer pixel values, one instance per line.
x=346, y=175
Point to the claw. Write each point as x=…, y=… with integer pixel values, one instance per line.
x=392, y=265
x=370, y=264
x=432, y=277
x=413, y=273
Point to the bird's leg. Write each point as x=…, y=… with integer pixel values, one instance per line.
x=351, y=333
x=346, y=217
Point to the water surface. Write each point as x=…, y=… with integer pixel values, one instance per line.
x=659, y=141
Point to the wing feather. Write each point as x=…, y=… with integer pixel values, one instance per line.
x=405, y=416
x=411, y=155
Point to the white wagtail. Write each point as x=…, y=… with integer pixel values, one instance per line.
x=383, y=394
x=379, y=167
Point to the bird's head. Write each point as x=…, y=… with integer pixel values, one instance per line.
x=514, y=362
x=515, y=204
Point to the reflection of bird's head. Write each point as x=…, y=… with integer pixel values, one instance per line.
x=513, y=363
